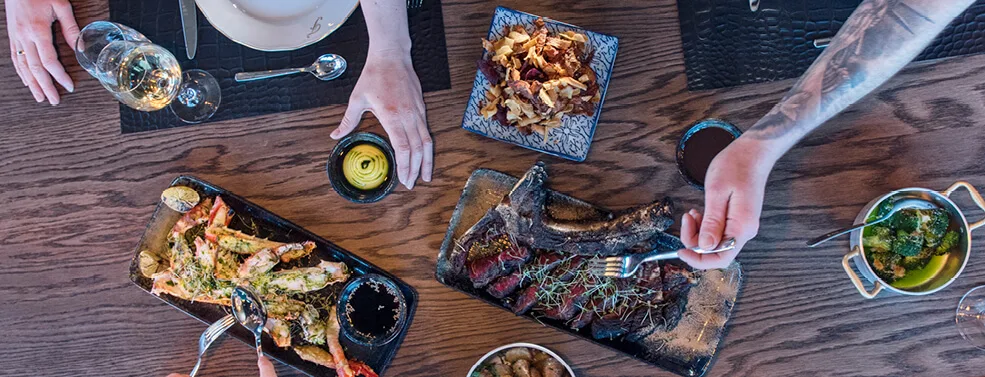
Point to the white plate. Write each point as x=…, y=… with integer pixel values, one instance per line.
x=267, y=25
x=521, y=345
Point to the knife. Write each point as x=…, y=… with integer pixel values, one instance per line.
x=189, y=25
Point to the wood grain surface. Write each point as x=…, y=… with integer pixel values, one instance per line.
x=75, y=196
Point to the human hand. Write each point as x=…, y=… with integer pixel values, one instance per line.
x=389, y=88
x=32, y=45
x=265, y=365
x=734, y=189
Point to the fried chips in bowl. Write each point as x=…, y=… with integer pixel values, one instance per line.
x=537, y=77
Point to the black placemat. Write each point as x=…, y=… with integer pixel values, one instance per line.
x=160, y=21
x=728, y=44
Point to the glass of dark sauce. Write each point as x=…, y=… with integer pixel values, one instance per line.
x=372, y=310
x=699, y=146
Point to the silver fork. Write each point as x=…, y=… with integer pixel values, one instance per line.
x=414, y=4
x=210, y=335
x=627, y=265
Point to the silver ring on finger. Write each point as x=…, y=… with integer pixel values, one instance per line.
x=20, y=52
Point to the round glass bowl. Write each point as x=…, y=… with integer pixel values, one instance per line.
x=372, y=293
x=970, y=317
x=337, y=177
x=703, y=160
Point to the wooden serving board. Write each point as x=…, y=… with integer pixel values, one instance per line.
x=688, y=350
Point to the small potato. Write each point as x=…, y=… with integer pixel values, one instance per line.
x=502, y=370
x=521, y=368
x=535, y=373
x=540, y=356
x=519, y=353
x=485, y=373
x=551, y=368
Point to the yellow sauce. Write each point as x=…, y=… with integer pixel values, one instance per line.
x=365, y=167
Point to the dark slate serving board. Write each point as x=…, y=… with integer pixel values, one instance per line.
x=728, y=44
x=486, y=188
x=159, y=20
x=265, y=224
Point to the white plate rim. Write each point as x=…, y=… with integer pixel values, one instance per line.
x=522, y=345
x=232, y=23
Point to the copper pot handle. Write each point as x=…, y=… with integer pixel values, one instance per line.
x=855, y=279
x=974, y=196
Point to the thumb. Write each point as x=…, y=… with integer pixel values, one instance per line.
x=353, y=114
x=266, y=367
x=713, y=223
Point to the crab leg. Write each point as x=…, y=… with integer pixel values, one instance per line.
x=239, y=242
x=332, y=338
x=308, y=279
x=221, y=214
x=197, y=215
x=280, y=331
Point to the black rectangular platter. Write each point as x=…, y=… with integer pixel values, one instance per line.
x=485, y=188
x=276, y=228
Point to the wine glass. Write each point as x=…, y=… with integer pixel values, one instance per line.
x=970, y=317
x=145, y=76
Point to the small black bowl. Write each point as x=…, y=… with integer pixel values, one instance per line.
x=347, y=190
x=698, y=126
x=379, y=281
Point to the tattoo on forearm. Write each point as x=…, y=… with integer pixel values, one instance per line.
x=878, y=39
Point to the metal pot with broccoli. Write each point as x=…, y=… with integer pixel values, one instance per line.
x=916, y=251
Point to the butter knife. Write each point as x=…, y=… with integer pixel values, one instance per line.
x=189, y=26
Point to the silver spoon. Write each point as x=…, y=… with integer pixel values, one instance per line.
x=249, y=312
x=898, y=205
x=327, y=67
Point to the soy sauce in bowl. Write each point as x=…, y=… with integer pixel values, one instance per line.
x=372, y=310
x=699, y=146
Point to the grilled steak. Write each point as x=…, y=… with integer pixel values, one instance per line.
x=485, y=269
x=562, y=274
x=506, y=285
x=524, y=216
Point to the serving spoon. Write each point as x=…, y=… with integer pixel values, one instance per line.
x=249, y=312
x=898, y=205
x=327, y=67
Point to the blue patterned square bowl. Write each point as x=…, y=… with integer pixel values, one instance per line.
x=574, y=137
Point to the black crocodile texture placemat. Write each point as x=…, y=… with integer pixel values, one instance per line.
x=160, y=21
x=728, y=44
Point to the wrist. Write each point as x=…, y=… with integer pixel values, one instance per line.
x=764, y=153
x=390, y=44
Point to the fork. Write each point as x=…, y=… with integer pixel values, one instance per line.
x=210, y=335
x=627, y=265
x=414, y=4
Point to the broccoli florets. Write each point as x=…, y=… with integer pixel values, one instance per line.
x=907, y=220
x=920, y=260
x=887, y=265
x=934, y=225
x=907, y=244
x=948, y=242
x=880, y=239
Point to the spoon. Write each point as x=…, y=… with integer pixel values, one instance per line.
x=249, y=312
x=327, y=67
x=898, y=205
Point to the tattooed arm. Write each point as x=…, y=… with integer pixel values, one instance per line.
x=879, y=38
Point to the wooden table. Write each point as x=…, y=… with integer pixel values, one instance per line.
x=76, y=195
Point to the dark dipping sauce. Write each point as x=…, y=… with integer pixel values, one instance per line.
x=373, y=310
x=701, y=148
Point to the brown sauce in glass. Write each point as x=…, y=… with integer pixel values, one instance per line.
x=701, y=148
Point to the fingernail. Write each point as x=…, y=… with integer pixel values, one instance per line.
x=71, y=89
x=693, y=212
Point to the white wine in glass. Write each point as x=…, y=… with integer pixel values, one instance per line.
x=143, y=75
x=146, y=76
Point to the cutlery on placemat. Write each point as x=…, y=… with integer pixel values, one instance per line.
x=327, y=67
x=210, y=335
x=627, y=265
x=189, y=26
